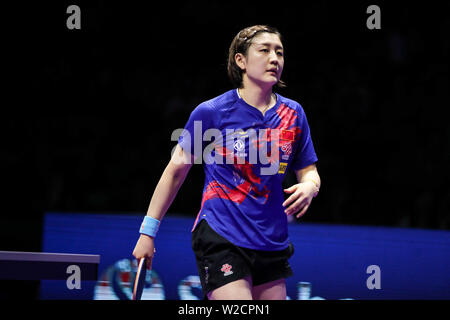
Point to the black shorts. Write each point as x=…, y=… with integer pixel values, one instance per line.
x=220, y=262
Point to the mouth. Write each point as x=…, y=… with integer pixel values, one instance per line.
x=273, y=71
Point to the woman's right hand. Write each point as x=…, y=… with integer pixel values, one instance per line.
x=145, y=248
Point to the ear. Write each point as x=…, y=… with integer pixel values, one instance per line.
x=240, y=60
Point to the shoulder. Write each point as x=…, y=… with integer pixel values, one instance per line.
x=223, y=101
x=211, y=111
x=291, y=104
x=218, y=103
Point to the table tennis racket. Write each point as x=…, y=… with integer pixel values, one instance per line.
x=139, y=281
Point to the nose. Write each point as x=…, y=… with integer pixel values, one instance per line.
x=274, y=59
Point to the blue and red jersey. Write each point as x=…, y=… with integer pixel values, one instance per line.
x=243, y=193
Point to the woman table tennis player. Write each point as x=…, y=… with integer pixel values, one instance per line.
x=240, y=235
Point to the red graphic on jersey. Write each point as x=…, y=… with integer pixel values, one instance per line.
x=288, y=117
x=286, y=131
x=241, y=191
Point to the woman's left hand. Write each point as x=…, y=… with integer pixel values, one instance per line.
x=300, y=198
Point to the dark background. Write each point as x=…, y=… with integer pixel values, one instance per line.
x=87, y=115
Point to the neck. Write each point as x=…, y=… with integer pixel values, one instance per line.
x=260, y=98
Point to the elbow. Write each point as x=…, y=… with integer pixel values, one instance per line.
x=178, y=171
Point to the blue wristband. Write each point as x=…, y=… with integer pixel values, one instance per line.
x=149, y=226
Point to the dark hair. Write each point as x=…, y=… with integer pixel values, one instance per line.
x=240, y=44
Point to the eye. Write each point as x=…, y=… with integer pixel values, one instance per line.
x=264, y=50
x=280, y=53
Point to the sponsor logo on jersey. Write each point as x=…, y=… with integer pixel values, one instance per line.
x=239, y=146
x=287, y=150
x=282, y=168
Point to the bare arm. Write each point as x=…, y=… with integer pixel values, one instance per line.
x=163, y=196
x=303, y=192
x=169, y=184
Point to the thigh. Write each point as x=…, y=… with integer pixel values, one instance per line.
x=274, y=290
x=237, y=290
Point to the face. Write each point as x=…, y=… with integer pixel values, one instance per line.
x=264, y=61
